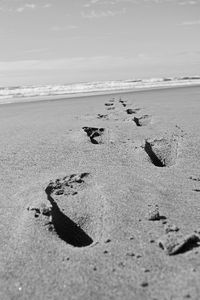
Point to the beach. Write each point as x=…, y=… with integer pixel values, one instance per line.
x=120, y=219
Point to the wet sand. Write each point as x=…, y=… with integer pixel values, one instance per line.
x=115, y=221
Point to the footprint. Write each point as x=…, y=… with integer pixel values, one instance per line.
x=174, y=243
x=142, y=121
x=73, y=214
x=123, y=102
x=162, y=152
x=102, y=116
x=194, y=178
x=109, y=104
x=95, y=134
x=131, y=111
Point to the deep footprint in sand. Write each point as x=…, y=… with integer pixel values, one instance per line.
x=95, y=134
x=174, y=243
x=109, y=104
x=131, y=111
x=142, y=121
x=163, y=152
x=74, y=216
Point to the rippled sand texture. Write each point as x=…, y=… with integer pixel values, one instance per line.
x=100, y=197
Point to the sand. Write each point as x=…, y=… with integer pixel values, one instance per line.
x=123, y=183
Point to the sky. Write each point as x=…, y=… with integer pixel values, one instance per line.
x=67, y=41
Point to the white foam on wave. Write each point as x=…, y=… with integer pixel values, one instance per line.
x=14, y=94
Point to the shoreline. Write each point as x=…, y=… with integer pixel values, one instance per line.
x=92, y=94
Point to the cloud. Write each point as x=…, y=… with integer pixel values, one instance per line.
x=26, y=6
x=79, y=69
x=102, y=14
x=91, y=3
x=63, y=28
x=191, y=23
x=94, y=2
x=20, y=6
x=74, y=63
x=47, y=5
x=108, y=2
x=189, y=2
x=36, y=50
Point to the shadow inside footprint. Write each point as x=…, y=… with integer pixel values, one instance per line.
x=154, y=158
x=66, y=229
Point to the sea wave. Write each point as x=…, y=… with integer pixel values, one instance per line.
x=17, y=93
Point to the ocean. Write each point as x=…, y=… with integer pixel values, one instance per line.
x=30, y=93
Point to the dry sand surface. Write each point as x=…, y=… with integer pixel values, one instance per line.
x=120, y=217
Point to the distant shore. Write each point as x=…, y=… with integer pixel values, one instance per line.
x=58, y=97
